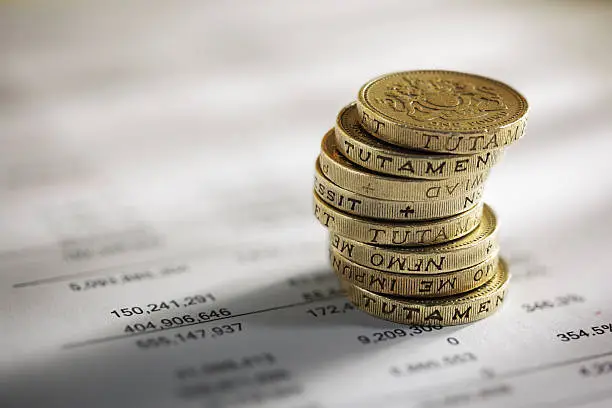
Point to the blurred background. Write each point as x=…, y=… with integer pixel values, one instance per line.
x=143, y=107
x=151, y=107
x=134, y=130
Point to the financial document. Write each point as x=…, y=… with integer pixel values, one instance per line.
x=157, y=246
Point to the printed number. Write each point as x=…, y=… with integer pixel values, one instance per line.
x=139, y=327
x=330, y=310
x=227, y=329
x=382, y=336
x=177, y=321
x=452, y=341
x=572, y=335
x=198, y=299
x=127, y=311
x=214, y=314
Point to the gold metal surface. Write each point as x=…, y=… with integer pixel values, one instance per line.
x=399, y=185
x=442, y=111
x=395, y=233
x=363, y=206
x=367, y=151
x=402, y=284
x=462, y=253
x=451, y=310
x=349, y=176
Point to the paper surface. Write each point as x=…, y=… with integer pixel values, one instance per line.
x=157, y=247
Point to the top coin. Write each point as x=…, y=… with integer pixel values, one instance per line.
x=442, y=111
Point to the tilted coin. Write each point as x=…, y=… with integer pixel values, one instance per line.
x=396, y=233
x=442, y=111
x=364, y=206
x=344, y=173
x=365, y=150
x=402, y=284
x=450, y=310
x=462, y=253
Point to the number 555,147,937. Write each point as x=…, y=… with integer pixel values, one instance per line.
x=176, y=339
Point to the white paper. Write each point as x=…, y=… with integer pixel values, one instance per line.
x=156, y=172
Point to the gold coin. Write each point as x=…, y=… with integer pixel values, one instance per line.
x=395, y=233
x=344, y=173
x=442, y=111
x=470, y=250
x=367, y=151
x=451, y=310
x=402, y=284
x=364, y=206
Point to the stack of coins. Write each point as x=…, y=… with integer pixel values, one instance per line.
x=399, y=184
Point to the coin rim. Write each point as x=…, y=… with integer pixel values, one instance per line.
x=389, y=185
x=430, y=209
x=362, y=222
x=453, y=249
x=408, y=279
x=378, y=146
x=494, y=287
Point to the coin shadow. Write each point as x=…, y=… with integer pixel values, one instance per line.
x=275, y=318
x=317, y=304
